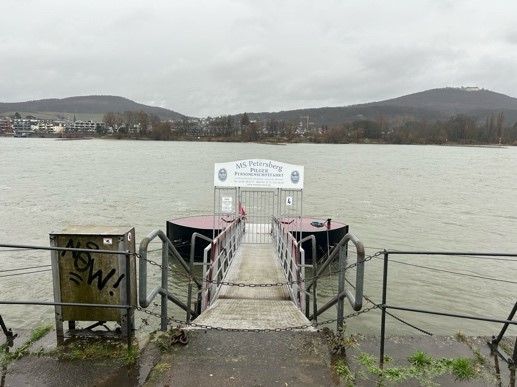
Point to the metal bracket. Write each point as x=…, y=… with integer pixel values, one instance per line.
x=494, y=343
x=10, y=336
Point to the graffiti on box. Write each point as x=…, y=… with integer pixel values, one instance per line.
x=84, y=269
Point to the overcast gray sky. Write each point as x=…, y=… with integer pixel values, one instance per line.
x=214, y=57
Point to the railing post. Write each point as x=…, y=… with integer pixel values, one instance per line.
x=383, y=308
x=204, y=289
x=129, y=311
x=301, y=284
x=341, y=288
x=314, y=294
x=165, y=286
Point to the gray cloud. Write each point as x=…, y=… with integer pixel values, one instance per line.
x=224, y=56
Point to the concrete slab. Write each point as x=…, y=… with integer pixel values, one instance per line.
x=399, y=348
x=251, y=359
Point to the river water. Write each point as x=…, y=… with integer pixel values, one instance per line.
x=392, y=196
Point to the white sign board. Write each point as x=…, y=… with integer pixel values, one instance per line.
x=289, y=201
x=227, y=204
x=258, y=173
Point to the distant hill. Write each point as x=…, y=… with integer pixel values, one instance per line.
x=84, y=106
x=432, y=104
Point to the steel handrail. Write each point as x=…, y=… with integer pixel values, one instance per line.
x=128, y=307
x=220, y=260
x=195, y=236
x=288, y=250
x=145, y=299
x=335, y=251
x=511, y=361
x=340, y=251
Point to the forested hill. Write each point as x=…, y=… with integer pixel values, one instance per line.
x=435, y=104
x=90, y=104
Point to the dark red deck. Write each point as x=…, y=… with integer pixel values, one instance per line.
x=206, y=222
x=180, y=231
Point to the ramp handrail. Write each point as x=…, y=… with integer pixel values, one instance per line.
x=145, y=299
x=340, y=253
x=221, y=251
x=292, y=258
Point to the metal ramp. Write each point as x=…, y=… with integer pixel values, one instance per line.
x=253, y=270
x=259, y=306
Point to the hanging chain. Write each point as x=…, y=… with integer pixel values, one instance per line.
x=182, y=324
x=263, y=285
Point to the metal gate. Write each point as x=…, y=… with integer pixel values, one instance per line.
x=290, y=210
x=258, y=206
x=258, y=190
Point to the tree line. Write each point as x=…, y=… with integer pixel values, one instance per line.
x=461, y=129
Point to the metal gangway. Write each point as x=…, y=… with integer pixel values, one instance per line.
x=255, y=286
x=254, y=270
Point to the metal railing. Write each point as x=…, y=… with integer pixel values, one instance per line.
x=292, y=259
x=384, y=306
x=339, y=253
x=221, y=251
x=127, y=324
x=168, y=250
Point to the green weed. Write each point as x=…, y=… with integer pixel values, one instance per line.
x=7, y=357
x=344, y=372
x=463, y=369
x=420, y=359
x=99, y=349
x=423, y=368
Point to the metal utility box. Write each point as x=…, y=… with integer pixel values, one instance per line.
x=94, y=278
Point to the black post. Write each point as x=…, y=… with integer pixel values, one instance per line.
x=383, y=308
x=495, y=341
x=128, y=300
x=314, y=294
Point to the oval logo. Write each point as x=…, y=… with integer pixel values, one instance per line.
x=295, y=177
x=222, y=174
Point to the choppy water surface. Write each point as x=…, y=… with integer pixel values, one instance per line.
x=397, y=197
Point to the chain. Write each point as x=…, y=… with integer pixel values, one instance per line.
x=151, y=262
x=246, y=285
x=263, y=285
x=352, y=265
x=314, y=324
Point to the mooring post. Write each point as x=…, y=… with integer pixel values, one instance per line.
x=383, y=308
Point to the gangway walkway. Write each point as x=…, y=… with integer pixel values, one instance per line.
x=244, y=307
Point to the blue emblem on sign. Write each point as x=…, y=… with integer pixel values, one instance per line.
x=295, y=177
x=222, y=174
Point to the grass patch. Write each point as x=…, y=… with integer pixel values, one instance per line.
x=6, y=357
x=460, y=336
x=166, y=340
x=423, y=368
x=89, y=349
x=157, y=372
x=344, y=372
x=420, y=359
x=39, y=333
x=463, y=369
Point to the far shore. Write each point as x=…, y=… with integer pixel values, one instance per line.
x=269, y=141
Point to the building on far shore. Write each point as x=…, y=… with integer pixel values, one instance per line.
x=6, y=125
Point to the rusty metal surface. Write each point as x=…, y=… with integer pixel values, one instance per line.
x=96, y=278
